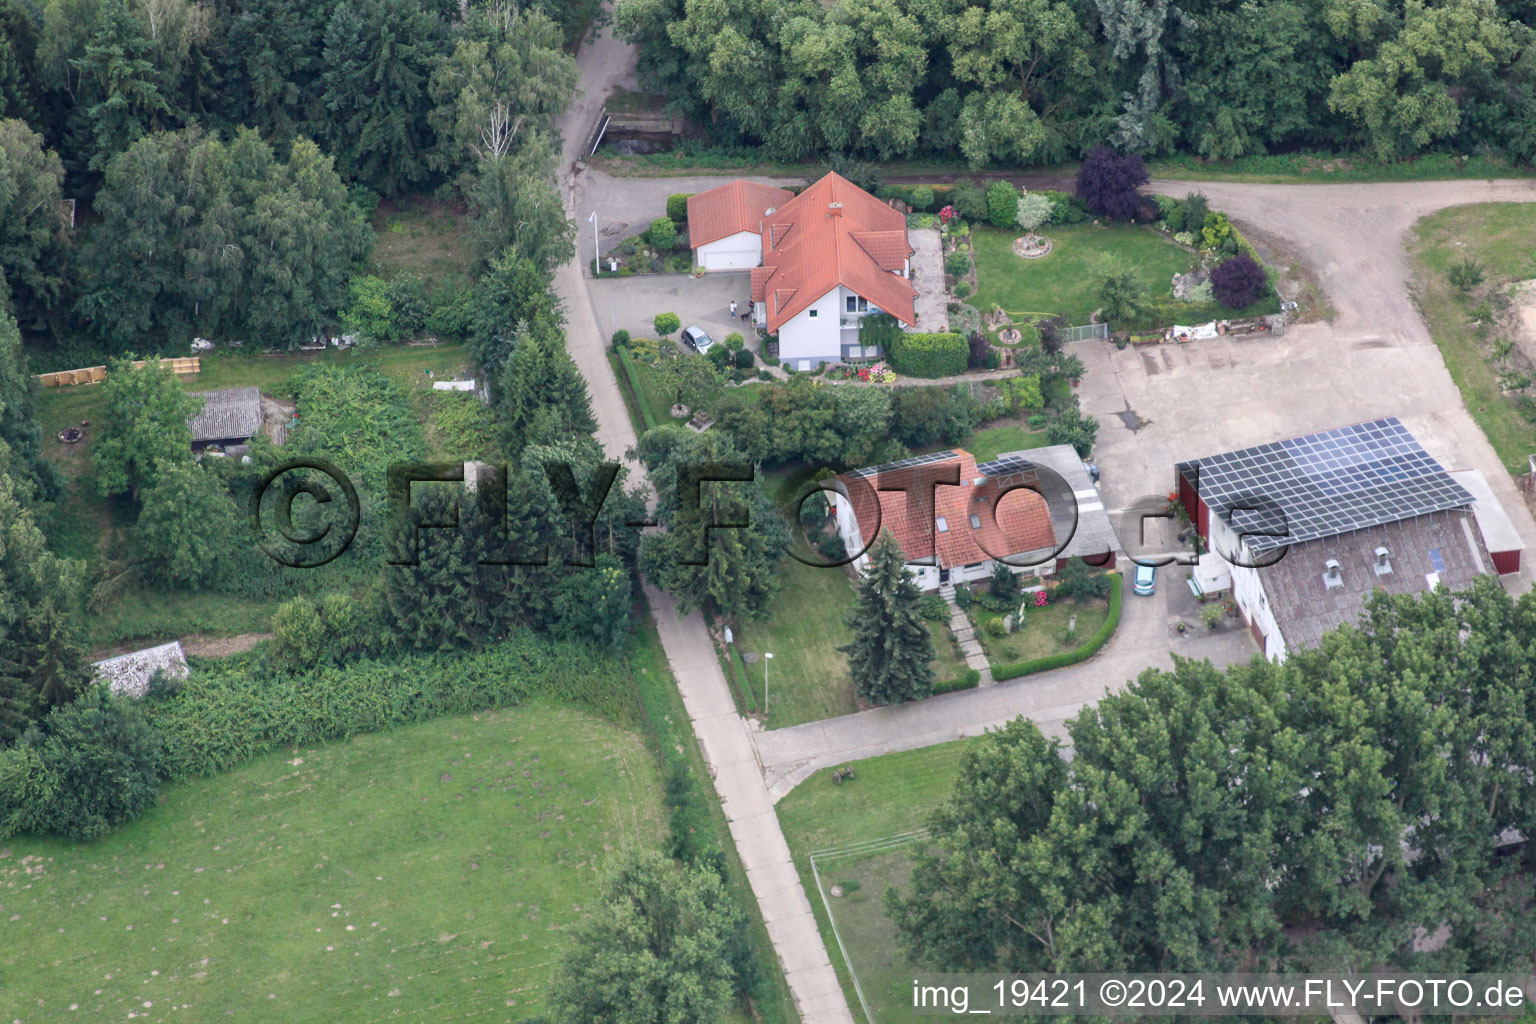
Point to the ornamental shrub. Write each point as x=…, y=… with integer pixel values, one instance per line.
x=620, y=337
x=677, y=206
x=662, y=233
x=666, y=323
x=921, y=198
x=1237, y=281
x=962, y=289
x=957, y=263
x=744, y=359
x=1002, y=204
x=1033, y=209
x=929, y=355
x=968, y=201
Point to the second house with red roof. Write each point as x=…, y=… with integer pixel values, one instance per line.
x=821, y=261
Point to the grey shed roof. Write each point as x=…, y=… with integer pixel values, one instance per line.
x=1093, y=534
x=229, y=412
x=129, y=674
x=1437, y=548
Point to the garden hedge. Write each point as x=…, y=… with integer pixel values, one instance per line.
x=626, y=361
x=1081, y=653
x=930, y=355
x=677, y=206
x=967, y=680
x=226, y=715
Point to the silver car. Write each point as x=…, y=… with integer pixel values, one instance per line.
x=696, y=337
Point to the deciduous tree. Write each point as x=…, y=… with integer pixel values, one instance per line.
x=143, y=427
x=661, y=945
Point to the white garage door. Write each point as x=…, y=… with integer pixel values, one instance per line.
x=725, y=259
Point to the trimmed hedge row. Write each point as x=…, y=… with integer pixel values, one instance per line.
x=966, y=680
x=627, y=362
x=1082, y=653
x=225, y=716
x=930, y=355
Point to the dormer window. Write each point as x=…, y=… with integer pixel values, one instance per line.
x=1383, y=561
x=1332, y=576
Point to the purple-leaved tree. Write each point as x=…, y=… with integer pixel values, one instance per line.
x=1237, y=281
x=1107, y=182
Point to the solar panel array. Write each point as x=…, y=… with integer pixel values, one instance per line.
x=1325, y=484
x=1006, y=464
x=916, y=460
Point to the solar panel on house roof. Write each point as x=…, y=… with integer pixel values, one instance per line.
x=916, y=460
x=1325, y=484
x=1006, y=464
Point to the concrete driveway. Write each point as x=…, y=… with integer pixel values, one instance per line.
x=1160, y=404
x=626, y=206
x=630, y=303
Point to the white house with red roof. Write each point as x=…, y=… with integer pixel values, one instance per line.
x=825, y=259
x=725, y=224
x=954, y=520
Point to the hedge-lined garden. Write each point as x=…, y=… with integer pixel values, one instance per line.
x=1081, y=653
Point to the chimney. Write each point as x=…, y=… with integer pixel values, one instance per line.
x=834, y=209
x=1331, y=575
x=1383, y=561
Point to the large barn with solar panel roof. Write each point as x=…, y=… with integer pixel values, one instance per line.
x=1303, y=530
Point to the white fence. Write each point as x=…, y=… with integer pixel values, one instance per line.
x=1087, y=332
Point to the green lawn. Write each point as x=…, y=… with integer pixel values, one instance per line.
x=990, y=442
x=1067, y=280
x=646, y=391
x=1499, y=235
x=808, y=677
x=1043, y=630
x=430, y=873
x=889, y=795
x=947, y=663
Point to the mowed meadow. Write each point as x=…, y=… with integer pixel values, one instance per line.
x=430, y=873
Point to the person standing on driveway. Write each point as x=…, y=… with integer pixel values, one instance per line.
x=733, y=309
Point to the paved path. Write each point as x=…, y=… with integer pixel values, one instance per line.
x=1049, y=699
x=754, y=825
x=965, y=637
x=721, y=732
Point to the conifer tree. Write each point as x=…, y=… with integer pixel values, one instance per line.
x=891, y=651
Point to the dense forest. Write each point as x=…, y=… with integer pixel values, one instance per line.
x=223, y=158
x=1039, y=81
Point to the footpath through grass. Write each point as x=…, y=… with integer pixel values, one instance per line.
x=888, y=796
x=1499, y=235
x=1067, y=280
x=429, y=873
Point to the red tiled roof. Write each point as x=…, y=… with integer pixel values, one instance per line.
x=834, y=233
x=737, y=206
x=1008, y=522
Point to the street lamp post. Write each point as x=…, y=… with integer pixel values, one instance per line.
x=597, y=256
x=768, y=656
